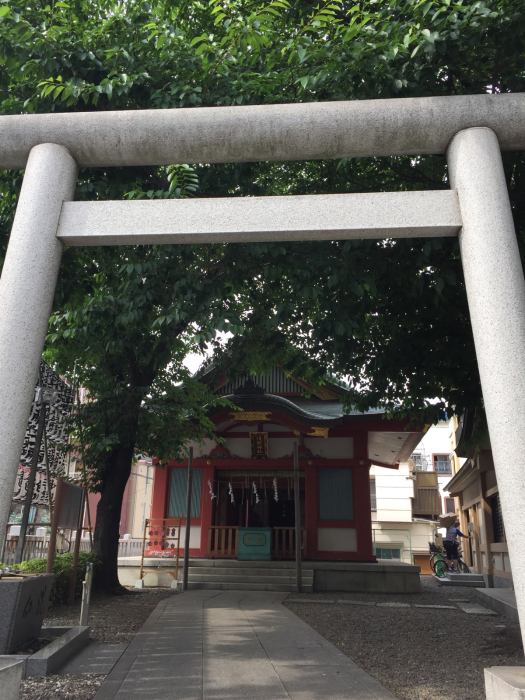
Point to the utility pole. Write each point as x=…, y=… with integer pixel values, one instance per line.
x=188, y=520
x=297, y=502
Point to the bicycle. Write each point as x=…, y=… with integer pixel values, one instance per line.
x=438, y=561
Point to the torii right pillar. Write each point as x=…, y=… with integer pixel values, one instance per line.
x=496, y=296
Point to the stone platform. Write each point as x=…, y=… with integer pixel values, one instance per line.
x=502, y=600
x=471, y=580
x=230, y=574
x=505, y=683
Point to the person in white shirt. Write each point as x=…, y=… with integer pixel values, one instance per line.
x=452, y=546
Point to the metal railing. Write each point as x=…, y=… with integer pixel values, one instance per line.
x=443, y=466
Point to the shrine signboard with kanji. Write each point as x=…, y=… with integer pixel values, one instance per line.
x=259, y=445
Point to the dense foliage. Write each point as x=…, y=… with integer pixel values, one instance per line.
x=63, y=571
x=392, y=315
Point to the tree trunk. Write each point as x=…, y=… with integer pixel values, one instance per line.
x=107, y=525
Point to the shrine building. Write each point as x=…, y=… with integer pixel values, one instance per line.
x=247, y=480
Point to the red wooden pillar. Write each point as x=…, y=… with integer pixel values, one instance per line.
x=161, y=483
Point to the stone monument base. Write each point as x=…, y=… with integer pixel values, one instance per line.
x=10, y=677
x=23, y=604
x=505, y=683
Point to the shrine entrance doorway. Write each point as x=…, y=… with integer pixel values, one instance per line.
x=257, y=498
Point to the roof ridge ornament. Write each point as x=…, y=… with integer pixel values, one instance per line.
x=250, y=390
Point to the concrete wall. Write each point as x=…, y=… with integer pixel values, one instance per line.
x=394, y=487
x=137, y=499
x=387, y=577
x=337, y=539
x=381, y=577
x=411, y=538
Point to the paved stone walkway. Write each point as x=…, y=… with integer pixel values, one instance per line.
x=234, y=645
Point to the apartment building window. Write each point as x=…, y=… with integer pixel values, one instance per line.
x=418, y=461
x=387, y=552
x=373, y=498
x=442, y=464
x=449, y=505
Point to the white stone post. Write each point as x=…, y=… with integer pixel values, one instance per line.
x=496, y=297
x=27, y=286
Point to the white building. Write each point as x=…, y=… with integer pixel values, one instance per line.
x=406, y=501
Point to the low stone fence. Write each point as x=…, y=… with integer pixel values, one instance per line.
x=34, y=548
x=130, y=548
x=37, y=548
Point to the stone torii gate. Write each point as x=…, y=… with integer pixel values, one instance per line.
x=471, y=130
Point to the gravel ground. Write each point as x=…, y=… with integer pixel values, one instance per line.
x=112, y=620
x=404, y=648
x=407, y=649
x=81, y=687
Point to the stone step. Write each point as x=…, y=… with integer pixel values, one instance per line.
x=466, y=580
x=239, y=564
x=230, y=578
x=275, y=587
x=242, y=571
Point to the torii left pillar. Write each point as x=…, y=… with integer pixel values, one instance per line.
x=27, y=287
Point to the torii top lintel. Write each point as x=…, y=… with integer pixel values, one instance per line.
x=279, y=132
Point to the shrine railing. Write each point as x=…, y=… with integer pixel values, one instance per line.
x=284, y=543
x=223, y=542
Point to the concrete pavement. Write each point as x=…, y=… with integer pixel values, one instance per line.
x=234, y=645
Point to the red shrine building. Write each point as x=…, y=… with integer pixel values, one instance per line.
x=247, y=481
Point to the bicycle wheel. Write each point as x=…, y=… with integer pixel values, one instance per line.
x=462, y=567
x=434, y=560
x=441, y=568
